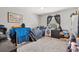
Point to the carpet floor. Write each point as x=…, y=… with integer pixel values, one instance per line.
x=45, y=44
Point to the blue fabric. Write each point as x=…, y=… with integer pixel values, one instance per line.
x=22, y=34
x=73, y=37
x=2, y=26
x=65, y=32
x=38, y=32
x=12, y=32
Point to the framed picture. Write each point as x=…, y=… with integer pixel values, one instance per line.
x=14, y=17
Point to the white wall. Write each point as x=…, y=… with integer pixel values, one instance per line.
x=31, y=20
x=65, y=18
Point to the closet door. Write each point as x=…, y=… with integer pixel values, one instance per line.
x=74, y=24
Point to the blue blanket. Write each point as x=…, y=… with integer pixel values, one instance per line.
x=22, y=34
x=38, y=32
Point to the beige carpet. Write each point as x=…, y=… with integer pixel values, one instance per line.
x=44, y=44
x=6, y=46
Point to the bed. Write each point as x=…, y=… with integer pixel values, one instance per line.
x=39, y=32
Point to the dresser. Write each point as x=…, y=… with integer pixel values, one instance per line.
x=55, y=34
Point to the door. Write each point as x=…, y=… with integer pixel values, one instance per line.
x=74, y=24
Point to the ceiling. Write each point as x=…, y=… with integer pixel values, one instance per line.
x=43, y=10
x=36, y=10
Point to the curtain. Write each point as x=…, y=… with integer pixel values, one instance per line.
x=49, y=18
x=57, y=18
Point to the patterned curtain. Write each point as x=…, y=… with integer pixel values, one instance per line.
x=49, y=18
x=57, y=18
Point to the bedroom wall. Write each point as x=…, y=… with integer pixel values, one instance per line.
x=65, y=18
x=31, y=20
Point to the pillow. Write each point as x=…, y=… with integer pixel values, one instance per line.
x=16, y=26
